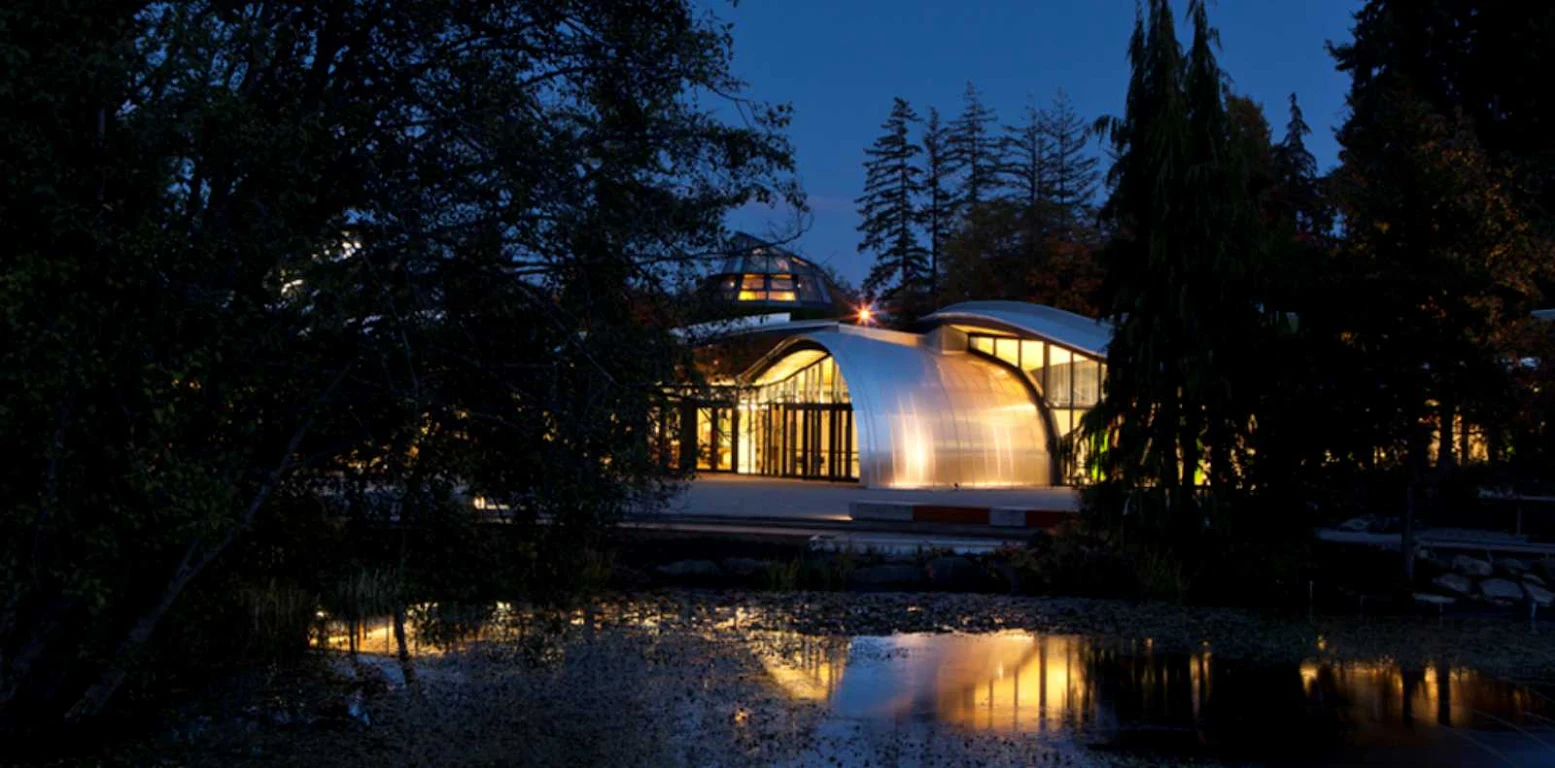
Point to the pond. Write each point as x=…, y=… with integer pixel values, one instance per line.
x=905, y=679
x=1124, y=695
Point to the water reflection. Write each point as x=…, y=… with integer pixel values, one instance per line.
x=1117, y=693
x=430, y=629
x=1126, y=693
x=806, y=667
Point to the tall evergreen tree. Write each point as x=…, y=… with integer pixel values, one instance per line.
x=936, y=211
x=1072, y=171
x=1480, y=57
x=974, y=152
x=1300, y=201
x=1178, y=277
x=1438, y=232
x=1027, y=166
x=1224, y=250
x=888, y=209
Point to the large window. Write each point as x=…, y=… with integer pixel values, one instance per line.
x=1069, y=381
x=797, y=421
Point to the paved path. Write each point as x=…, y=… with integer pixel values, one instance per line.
x=746, y=496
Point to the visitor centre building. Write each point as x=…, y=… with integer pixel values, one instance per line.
x=976, y=395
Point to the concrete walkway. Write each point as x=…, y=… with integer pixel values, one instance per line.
x=748, y=496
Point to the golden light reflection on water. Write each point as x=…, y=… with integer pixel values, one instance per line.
x=806, y=667
x=1016, y=681
x=1022, y=682
x=1431, y=695
x=1037, y=683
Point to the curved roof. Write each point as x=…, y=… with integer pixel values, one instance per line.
x=928, y=418
x=1067, y=328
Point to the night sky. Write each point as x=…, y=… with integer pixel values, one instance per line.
x=839, y=63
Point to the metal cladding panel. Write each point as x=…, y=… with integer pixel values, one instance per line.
x=1082, y=333
x=931, y=419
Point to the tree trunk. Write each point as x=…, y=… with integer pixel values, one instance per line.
x=1444, y=451
x=1407, y=539
x=1419, y=440
x=406, y=667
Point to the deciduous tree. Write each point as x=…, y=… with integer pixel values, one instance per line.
x=354, y=258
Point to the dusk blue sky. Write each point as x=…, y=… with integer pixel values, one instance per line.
x=840, y=62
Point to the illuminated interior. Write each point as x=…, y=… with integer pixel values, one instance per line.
x=916, y=416
x=981, y=395
x=763, y=274
x=1068, y=381
x=796, y=420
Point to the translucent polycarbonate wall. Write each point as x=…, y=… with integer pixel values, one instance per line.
x=926, y=418
x=1069, y=381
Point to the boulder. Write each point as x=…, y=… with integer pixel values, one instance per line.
x=1453, y=583
x=744, y=567
x=886, y=576
x=1501, y=589
x=1428, y=565
x=1511, y=567
x=1529, y=578
x=1546, y=569
x=694, y=569
x=1539, y=595
x=955, y=573
x=1471, y=566
x=357, y=710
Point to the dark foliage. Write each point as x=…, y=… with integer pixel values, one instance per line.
x=273, y=269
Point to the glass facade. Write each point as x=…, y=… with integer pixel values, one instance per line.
x=763, y=273
x=1068, y=381
x=799, y=423
x=781, y=287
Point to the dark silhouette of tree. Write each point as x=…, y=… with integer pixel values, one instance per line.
x=1436, y=234
x=990, y=257
x=273, y=266
x=937, y=210
x=1028, y=169
x=888, y=209
x=973, y=152
x=1180, y=281
x=1301, y=198
x=1072, y=170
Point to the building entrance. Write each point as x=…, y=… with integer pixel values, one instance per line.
x=807, y=440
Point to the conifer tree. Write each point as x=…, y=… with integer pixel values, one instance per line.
x=1072, y=172
x=1179, y=276
x=1223, y=250
x=974, y=152
x=888, y=208
x=935, y=212
x=1027, y=168
x=1296, y=179
x=1028, y=158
